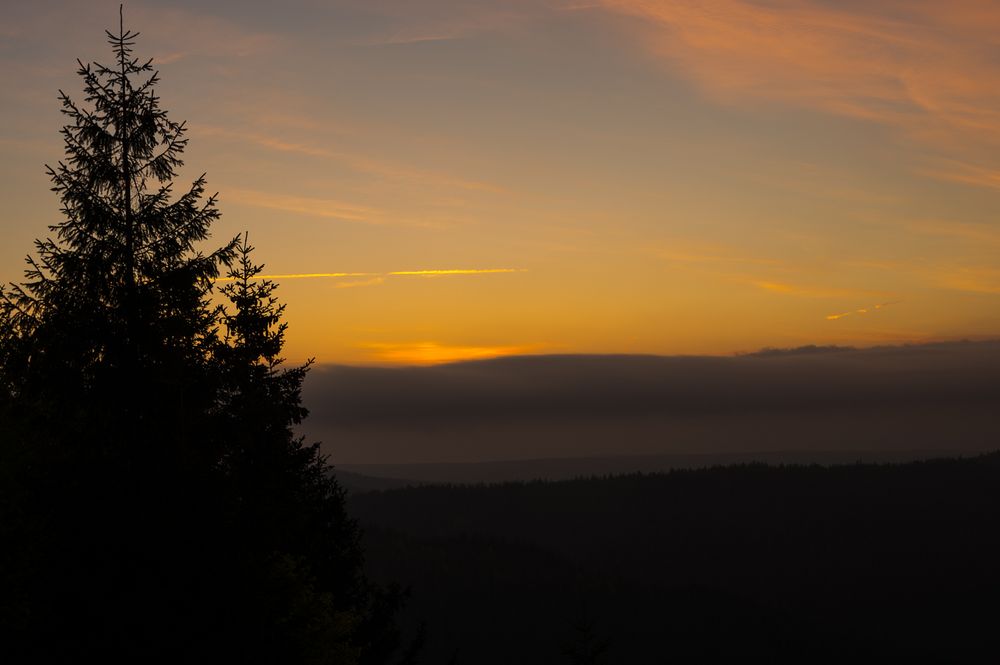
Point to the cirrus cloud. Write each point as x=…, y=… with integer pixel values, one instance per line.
x=925, y=68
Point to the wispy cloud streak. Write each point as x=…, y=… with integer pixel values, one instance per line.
x=443, y=273
x=307, y=275
x=379, y=278
x=330, y=208
x=807, y=291
x=359, y=163
x=862, y=311
x=923, y=67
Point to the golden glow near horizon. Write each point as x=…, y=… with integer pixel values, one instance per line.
x=556, y=176
x=432, y=353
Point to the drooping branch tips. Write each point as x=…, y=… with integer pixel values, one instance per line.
x=124, y=239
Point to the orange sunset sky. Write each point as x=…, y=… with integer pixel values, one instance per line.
x=438, y=180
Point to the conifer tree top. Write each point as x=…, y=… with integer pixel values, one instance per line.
x=123, y=267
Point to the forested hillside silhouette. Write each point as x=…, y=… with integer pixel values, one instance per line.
x=852, y=563
x=156, y=504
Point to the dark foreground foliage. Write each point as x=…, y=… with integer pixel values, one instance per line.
x=155, y=505
x=794, y=564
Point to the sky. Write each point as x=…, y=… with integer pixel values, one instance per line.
x=441, y=180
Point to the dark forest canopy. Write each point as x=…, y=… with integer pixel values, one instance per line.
x=156, y=504
x=749, y=563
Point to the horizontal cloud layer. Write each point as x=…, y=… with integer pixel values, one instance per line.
x=939, y=396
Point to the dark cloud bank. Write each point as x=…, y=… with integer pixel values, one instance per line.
x=810, y=402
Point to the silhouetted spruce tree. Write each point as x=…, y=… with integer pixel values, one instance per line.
x=288, y=511
x=156, y=504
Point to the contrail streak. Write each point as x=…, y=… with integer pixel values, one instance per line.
x=432, y=273
x=864, y=310
x=397, y=273
x=306, y=275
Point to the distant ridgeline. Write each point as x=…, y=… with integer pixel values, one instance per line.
x=792, y=564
